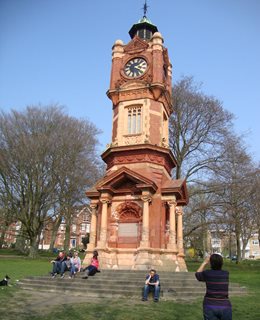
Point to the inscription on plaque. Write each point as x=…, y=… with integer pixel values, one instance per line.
x=128, y=230
x=128, y=234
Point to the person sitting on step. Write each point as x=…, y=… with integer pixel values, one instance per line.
x=56, y=268
x=75, y=265
x=92, y=269
x=152, y=284
x=65, y=265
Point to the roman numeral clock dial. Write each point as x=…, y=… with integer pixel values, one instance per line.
x=135, y=67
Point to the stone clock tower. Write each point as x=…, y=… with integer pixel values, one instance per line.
x=137, y=207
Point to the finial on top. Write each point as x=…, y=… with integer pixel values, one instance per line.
x=145, y=8
x=144, y=28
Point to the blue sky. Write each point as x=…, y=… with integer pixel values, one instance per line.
x=59, y=51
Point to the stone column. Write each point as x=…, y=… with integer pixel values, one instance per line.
x=157, y=47
x=117, y=55
x=103, y=228
x=179, y=231
x=145, y=242
x=93, y=226
x=172, y=234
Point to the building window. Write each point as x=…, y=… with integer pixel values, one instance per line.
x=255, y=242
x=144, y=34
x=73, y=243
x=216, y=242
x=134, y=120
x=83, y=227
x=74, y=227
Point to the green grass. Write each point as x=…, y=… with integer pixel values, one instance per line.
x=125, y=310
x=10, y=252
x=247, y=307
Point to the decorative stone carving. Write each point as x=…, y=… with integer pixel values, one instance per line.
x=129, y=210
x=136, y=45
x=115, y=215
x=136, y=139
x=146, y=199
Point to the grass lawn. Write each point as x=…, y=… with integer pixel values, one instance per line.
x=13, y=300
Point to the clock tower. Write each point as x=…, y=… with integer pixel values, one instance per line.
x=137, y=207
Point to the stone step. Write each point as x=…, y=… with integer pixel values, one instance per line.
x=140, y=273
x=108, y=293
x=116, y=288
x=122, y=284
x=133, y=276
x=97, y=282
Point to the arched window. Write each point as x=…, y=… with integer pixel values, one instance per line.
x=134, y=117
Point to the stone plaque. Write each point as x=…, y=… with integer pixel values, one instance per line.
x=128, y=230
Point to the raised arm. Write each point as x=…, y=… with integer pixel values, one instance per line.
x=203, y=265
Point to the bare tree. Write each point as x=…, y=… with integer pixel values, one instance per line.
x=78, y=169
x=54, y=224
x=256, y=199
x=234, y=176
x=42, y=153
x=200, y=216
x=197, y=128
x=7, y=216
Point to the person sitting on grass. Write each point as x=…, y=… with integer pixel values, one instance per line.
x=75, y=265
x=92, y=269
x=56, y=267
x=216, y=304
x=152, y=284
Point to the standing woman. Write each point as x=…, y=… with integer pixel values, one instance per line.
x=93, y=267
x=216, y=304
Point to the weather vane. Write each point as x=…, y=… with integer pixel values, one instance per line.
x=145, y=7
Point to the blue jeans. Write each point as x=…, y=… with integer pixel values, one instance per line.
x=63, y=267
x=150, y=288
x=73, y=269
x=217, y=313
x=91, y=270
x=56, y=267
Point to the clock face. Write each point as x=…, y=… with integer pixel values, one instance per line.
x=135, y=67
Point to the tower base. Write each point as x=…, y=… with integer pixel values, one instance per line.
x=138, y=259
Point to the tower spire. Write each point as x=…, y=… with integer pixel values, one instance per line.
x=144, y=27
x=145, y=8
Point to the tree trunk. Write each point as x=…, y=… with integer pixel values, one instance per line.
x=204, y=235
x=33, y=250
x=68, y=218
x=54, y=233
x=20, y=243
x=259, y=237
x=230, y=245
x=244, y=250
x=238, y=247
x=178, y=172
x=67, y=237
x=3, y=232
